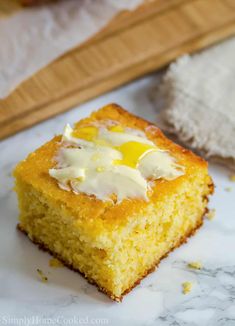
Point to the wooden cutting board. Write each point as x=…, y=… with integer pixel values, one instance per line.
x=132, y=45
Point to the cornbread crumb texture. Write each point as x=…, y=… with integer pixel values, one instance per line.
x=54, y=262
x=211, y=214
x=195, y=265
x=112, y=245
x=42, y=276
x=187, y=287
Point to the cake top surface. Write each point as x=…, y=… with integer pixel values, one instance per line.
x=35, y=169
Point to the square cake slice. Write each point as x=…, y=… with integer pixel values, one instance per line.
x=111, y=197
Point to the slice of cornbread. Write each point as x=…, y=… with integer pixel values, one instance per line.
x=114, y=244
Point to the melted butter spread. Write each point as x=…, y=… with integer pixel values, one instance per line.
x=111, y=161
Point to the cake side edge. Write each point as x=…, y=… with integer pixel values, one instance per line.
x=181, y=241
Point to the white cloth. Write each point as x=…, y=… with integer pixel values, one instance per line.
x=32, y=38
x=199, y=96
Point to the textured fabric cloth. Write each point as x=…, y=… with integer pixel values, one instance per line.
x=199, y=101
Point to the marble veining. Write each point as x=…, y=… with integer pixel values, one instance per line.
x=68, y=299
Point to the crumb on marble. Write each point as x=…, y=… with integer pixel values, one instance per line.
x=195, y=265
x=211, y=214
x=100, y=169
x=228, y=189
x=186, y=287
x=232, y=177
x=42, y=276
x=54, y=262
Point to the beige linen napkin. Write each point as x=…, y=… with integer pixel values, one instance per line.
x=199, y=101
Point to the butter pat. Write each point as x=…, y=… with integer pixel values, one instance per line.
x=111, y=162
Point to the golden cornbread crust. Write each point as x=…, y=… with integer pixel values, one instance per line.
x=39, y=161
x=182, y=240
x=113, y=246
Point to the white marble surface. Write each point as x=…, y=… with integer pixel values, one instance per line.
x=67, y=299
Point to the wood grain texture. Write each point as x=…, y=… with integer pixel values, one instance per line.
x=132, y=45
x=8, y=8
